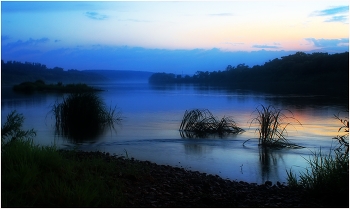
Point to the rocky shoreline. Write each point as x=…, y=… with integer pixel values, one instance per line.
x=167, y=186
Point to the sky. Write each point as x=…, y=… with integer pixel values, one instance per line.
x=169, y=36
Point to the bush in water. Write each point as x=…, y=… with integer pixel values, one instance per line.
x=199, y=123
x=82, y=115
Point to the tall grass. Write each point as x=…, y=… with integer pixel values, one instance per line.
x=12, y=128
x=272, y=126
x=327, y=177
x=35, y=176
x=199, y=123
x=343, y=139
x=83, y=115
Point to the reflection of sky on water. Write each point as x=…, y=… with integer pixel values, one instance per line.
x=151, y=119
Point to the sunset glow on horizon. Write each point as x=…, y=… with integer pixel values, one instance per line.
x=44, y=31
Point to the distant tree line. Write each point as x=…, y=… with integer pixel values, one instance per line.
x=13, y=72
x=300, y=72
x=41, y=86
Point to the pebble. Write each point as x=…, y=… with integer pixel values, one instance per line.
x=177, y=187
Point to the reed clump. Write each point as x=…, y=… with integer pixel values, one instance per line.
x=327, y=177
x=343, y=138
x=272, y=126
x=12, y=128
x=201, y=122
x=82, y=115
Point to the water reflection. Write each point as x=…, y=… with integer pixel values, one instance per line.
x=193, y=148
x=196, y=135
x=24, y=100
x=268, y=159
x=282, y=99
x=12, y=99
x=79, y=134
x=81, y=130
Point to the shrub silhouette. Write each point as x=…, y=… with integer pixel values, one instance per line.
x=199, y=123
x=83, y=115
x=272, y=126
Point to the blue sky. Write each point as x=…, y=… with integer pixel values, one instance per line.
x=169, y=36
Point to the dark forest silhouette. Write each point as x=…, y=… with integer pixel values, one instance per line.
x=320, y=73
x=317, y=72
x=13, y=72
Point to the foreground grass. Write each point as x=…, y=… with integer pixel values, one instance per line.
x=327, y=177
x=34, y=176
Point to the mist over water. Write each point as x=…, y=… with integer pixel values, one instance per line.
x=152, y=115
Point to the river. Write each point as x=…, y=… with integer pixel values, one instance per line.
x=151, y=116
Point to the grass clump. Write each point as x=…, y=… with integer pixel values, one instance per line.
x=327, y=177
x=272, y=126
x=200, y=123
x=83, y=115
x=12, y=128
x=343, y=139
x=35, y=176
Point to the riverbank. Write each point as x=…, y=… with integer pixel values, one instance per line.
x=35, y=176
x=155, y=185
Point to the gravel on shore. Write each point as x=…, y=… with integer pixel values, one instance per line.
x=167, y=186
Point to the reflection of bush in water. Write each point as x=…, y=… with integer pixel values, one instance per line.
x=201, y=123
x=83, y=115
x=269, y=159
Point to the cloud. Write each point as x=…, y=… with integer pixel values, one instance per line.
x=4, y=38
x=135, y=20
x=222, y=14
x=29, y=42
x=233, y=43
x=332, y=11
x=330, y=45
x=96, y=16
x=36, y=41
x=29, y=47
x=52, y=6
x=328, y=42
x=265, y=46
x=340, y=18
x=334, y=14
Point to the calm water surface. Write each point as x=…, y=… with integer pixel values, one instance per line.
x=152, y=116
